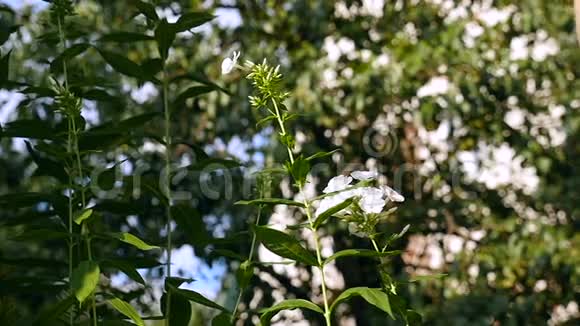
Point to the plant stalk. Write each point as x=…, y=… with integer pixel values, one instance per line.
x=327, y=317
x=167, y=190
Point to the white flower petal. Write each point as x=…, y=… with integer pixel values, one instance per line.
x=337, y=183
x=230, y=63
x=364, y=175
x=227, y=66
x=392, y=195
x=372, y=200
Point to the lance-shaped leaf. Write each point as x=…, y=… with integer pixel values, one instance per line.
x=47, y=166
x=376, y=297
x=321, y=155
x=291, y=304
x=126, y=267
x=270, y=201
x=126, y=309
x=5, y=31
x=177, y=281
x=29, y=199
x=164, y=35
x=191, y=20
x=71, y=52
x=200, y=79
x=126, y=37
x=190, y=223
x=214, y=164
x=4, y=68
x=82, y=215
x=193, y=91
x=84, y=279
x=284, y=245
x=96, y=94
x=331, y=211
x=133, y=240
x=193, y=296
x=180, y=310
x=360, y=253
x=420, y=278
x=147, y=9
x=36, y=129
x=122, y=64
x=223, y=319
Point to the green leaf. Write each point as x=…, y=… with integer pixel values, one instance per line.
x=35, y=129
x=299, y=170
x=194, y=296
x=270, y=201
x=82, y=215
x=147, y=9
x=29, y=199
x=71, y=52
x=321, y=155
x=47, y=166
x=4, y=68
x=376, y=297
x=54, y=312
x=396, y=236
x=127, y=310
x=177, y=281
x=5, y=32
x=284, y=245
x=133, y=240
x=164, y=35
x=265, y=120
x=125, y=37
x=122, y=64
x=180, y=311
x=331, y=211
x=193, y=91
x=189, y=222
x=41, y=234
x=127, y=268
x=96, y=94
x=291, y=304
x=223, y=319
x=152, y=66
x=214, y=164
x=360, y=253
x=200, y=79
x=244, y=274
x=191, y=20
x=420, y=278
x=84, y=279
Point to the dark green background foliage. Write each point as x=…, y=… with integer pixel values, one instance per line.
x=524, y=268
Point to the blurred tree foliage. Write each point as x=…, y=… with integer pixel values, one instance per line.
x=492, y=195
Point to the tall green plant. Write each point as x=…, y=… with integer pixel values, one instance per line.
x=361, y=205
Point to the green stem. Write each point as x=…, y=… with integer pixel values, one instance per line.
x=85, y=229
x=72, y=145
x=250, y=258
x=375, y=245
x=283, y=130
x=70, y=217
x=167, y=190
x=310, y=221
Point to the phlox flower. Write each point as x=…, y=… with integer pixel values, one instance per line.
x=364, y=175
x=337, y=183
x=230, y=63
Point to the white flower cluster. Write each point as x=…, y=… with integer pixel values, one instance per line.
x=372, y=199
x=497, y=167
